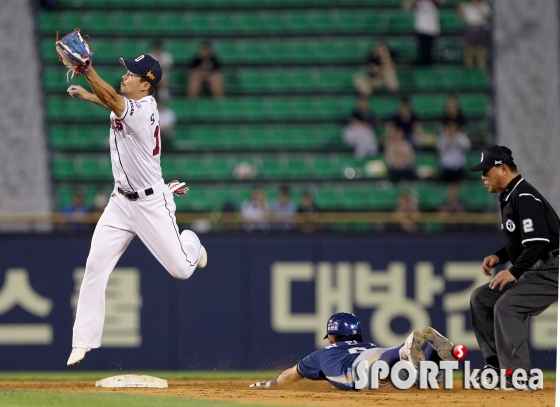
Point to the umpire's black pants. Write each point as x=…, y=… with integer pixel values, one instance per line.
x=500, y=319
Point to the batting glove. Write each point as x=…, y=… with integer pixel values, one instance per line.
x=178, y=188
x=262, y=385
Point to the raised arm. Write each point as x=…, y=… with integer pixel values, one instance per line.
x=105, y=93
x=76, y=91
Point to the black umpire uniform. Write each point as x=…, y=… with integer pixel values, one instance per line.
x=530, y=226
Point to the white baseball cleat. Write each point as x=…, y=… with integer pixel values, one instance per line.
x=188, y=237
x=203, y=259
x=412, y=349
x=76, y=356
x=442, y=345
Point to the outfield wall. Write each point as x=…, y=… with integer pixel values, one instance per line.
x=261, y=303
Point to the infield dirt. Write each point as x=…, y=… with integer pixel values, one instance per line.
x=308, y=393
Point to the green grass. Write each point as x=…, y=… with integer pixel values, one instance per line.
x=33, y=398
x=169, y=375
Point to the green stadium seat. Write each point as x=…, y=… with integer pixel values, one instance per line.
x=427, y=78
x=476, y=197
x=199, y=199
x=399, y=21
x=428, y=106
x=169, y=168
x=219, y=167
x=449, y=50
x=324, y=167
x=79, y=137
x=404, y=48
x=64, y=196
x=298, y=167
x=450, y=21
x=431, y=196
x=94, y=167
x=63, y=168
x=453, y=78
x=477, y=79
x=385, y=106
x=271, y=168
x=406, y=80
x=191, y=168
x=327, y=198
x=474, y=105
x=381, y=198
x=354, y=199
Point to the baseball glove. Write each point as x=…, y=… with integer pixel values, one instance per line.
x=74, y=53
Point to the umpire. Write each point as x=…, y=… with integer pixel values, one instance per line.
x=500, y=311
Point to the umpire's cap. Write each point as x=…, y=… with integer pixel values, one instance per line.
x=494, y=156
x=343, y=324
x=145, y=66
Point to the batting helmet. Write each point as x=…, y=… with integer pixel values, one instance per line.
x=344, y=324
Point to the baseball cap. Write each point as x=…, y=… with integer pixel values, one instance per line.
x=494, y=156
x=145, y=66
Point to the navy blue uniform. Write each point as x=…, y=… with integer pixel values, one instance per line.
x=334, y=363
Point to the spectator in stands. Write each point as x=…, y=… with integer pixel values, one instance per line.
x=283, y=211
x=379, y=72
x=205, y=69
x=399, y=155
x=308, y=212
x=255, y=211
x=452, y=146
x=406, y=214
x=165, y=60
x=453, y=113
x=426, y=25
x=76, y=214
x=359, y=132
x=227, y=211
x=100, y=201
x=167, y=122
x=408, y=122
x=476, y=15
x=454, y=203
x=451, y=207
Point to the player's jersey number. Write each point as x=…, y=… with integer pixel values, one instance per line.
x=356, y=350
x=156, y=135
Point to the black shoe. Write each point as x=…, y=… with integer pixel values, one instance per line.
x=521, y=385
x=488, y=380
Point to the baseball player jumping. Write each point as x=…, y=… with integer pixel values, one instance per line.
x=141, y=203
x=337, y=362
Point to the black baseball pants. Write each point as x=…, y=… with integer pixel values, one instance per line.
x=500, y=319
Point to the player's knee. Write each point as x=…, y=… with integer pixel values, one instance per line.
x=181, y=271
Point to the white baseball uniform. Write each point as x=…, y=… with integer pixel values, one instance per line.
x=135, y=157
